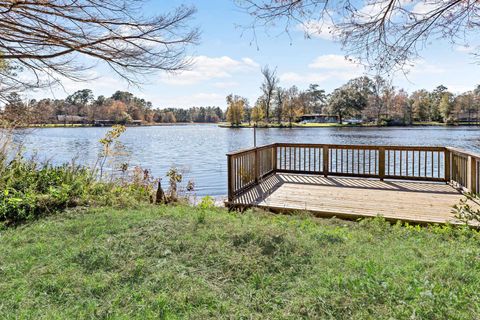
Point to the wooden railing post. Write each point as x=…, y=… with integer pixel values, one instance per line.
x=230, y=178
x=326, y=161
x=447, y=166
x=257, y=165
x=274, y=165
x=472, y=174
x=381, y=163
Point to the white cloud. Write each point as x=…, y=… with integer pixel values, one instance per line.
x=207, y=68
x=421, y=67
x=424, y=7
x=319, y=29
x=327, y=67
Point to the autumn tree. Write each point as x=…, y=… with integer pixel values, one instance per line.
x=348, y=100
x=80, y=101
x=421, y=105
x=235, y=110
x=15, y=110
x=446, y=106
x=291, y=108
x=258, y=110
x=52, y=40
x=280, y=99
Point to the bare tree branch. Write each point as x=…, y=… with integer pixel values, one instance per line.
x=46, y=38
x=384, y=34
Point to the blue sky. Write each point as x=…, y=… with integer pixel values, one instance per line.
x=227, y=61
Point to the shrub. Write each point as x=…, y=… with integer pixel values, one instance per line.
x=30, y=189
x=465, y=212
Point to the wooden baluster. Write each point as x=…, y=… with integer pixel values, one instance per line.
x=438, y=164
x=326, y=157
x=471, y=174
x=275, y=158
x=358, y=161
x=369, y=161
x=413, y=163
x=406, y=165
x=381, y=163
x=419, y=163
x=446, y=157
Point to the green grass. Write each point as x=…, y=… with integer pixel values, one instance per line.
x=183, y=262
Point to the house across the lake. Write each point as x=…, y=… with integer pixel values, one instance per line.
x=71, y=119
x=108, y=123
x=318, y=118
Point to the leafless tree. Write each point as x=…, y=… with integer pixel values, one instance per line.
x=384, y=34
x=269, y=85
x=51, y=40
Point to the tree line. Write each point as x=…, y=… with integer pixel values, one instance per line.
x=83, y=107
x=369, y=99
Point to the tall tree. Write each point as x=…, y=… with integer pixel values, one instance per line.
x=270, y=81
x=446, y=106
x=235, y=110
x=280, y=98
x=291, y=108
x=15, y=110
x=348, y=100
x=317, y=98
x=80, y=100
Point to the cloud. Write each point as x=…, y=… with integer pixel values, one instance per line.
x=319, y=29
x=326, y=67
x=207, y=68
x=421, y=67
x=422, y=8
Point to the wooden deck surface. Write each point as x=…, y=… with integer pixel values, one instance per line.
x=419, y=202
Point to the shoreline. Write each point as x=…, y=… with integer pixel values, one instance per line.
x=55, y=125
x=337, y=125
x=261, y=126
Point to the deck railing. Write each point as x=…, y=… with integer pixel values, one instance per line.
x=247, y=168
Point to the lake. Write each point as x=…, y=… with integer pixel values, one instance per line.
x=199, y=150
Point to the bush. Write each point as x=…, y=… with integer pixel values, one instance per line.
x=465, y=212
x=30, y=189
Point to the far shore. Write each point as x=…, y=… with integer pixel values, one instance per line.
x=333, y=125
x=259, y=125
x=87, y=125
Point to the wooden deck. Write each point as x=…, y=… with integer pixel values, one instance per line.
x=418, y=202
x=408, y=183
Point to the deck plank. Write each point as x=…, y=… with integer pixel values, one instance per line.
x=421, y=202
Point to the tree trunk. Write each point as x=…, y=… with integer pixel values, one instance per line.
x=160, y=196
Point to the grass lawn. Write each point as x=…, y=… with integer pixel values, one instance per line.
x=182, y=262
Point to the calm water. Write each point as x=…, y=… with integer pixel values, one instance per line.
x=199, y=150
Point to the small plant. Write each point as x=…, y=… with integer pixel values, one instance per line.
x=175, y=177
x=206, y=203
x=464, y=211
x=111, y=146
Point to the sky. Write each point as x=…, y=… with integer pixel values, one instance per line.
x=228, y=60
